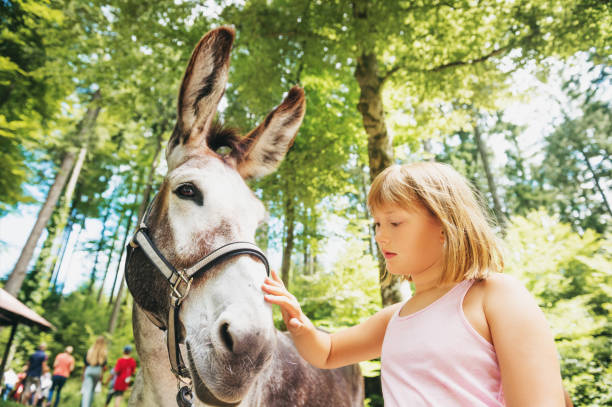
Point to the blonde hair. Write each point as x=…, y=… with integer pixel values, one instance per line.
x=96, y=355
x=471, y=249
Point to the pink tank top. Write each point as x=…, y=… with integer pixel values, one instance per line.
x=434, y=357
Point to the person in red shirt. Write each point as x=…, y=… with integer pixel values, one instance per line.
x=121, y=376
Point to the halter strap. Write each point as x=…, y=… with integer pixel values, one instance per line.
x=180, y=282
x=177, y=278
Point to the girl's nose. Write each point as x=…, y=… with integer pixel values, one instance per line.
x=380, y=237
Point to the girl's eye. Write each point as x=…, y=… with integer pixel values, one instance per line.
x=376, y=224
x=186, y=190
x=395, y=224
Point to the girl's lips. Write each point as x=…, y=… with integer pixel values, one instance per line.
x=388, y=255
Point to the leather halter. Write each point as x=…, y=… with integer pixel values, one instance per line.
x=180, y=282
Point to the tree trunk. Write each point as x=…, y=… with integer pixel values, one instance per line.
x=520, y=161
x=15, y=280
x=380, y=149
x=146, y=196
x=143, y=206
x=65, y=207
x=67, y=231
x=59, y=259
x=110, y=256
x=84, y=129
x=482, y=150
x=7, y=352
x=289, y=240
x=117, y=270
x=112, y=323
x=366, y=216
x=596, y=179
x=128, y=229
x=74, y=247
x=92, y=275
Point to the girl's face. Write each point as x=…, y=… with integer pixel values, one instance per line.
x=410, y=239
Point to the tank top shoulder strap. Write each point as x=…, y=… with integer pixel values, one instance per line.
x=451, y=298
x=463, y=288
x=454, y=297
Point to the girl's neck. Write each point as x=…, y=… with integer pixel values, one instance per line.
x=428, y=279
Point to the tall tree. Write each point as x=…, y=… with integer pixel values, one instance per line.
x=424, y=56
x=486, y=164
x=13, y=285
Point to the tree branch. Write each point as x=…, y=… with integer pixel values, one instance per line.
x=400, y=65
x=470, y=61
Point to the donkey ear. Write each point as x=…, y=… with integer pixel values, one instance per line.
x=264, y=148
x=202, y=87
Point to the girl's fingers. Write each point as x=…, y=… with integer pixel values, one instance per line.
x=276, y=293
x=295, y=323
x=270, y=289
x=284, y=302
x=276, y=278
x=274, y=290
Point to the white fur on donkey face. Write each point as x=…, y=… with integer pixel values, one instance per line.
x=229, y=301
x=226, y=197
x=233, y=297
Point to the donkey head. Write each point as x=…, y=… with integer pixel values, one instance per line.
x=204, y=203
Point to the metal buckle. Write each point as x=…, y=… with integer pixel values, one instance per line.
x=177, y=296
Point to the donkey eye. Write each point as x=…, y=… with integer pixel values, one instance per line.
x=223, y=150
x=190, y=192
x=186, y=190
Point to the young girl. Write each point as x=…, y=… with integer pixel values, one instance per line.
x=469, y=335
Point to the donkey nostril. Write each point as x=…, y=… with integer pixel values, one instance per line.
x=227, y=338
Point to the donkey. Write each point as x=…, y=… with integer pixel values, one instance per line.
x=234, y=355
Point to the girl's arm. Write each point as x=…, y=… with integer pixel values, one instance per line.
x=524, y=344
x=323, y=350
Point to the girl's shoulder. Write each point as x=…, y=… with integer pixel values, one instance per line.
x=503, y=294
x=496, y=283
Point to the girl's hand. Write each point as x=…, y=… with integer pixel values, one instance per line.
x=294, y=318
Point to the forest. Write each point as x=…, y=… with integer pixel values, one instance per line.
x=514, y=94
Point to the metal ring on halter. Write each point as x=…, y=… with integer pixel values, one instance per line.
x=177, y=296
x=176, y=278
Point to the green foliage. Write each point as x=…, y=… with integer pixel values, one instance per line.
x=28, y=94
x=345, y=295
x=577, y=168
